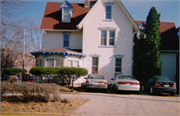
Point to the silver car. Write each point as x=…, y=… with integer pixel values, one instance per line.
x=125, y=82
x=96, y=81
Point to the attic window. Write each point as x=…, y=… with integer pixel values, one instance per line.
x=108, y=9
x=66, y=15
x=67, y=11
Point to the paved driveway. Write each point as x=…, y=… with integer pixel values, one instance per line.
x=127, y=104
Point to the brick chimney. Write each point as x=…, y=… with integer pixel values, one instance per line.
x=86, y=3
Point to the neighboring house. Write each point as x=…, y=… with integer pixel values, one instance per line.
x=169, y=49
x=15, y=59
x=96, y=35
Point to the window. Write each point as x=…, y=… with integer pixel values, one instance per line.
x=50, y=62
x=76, y=63
x=59, y=62
x=66, y=15
x=39, y=62
x=111, y=37
x=94, y=65
x=103, y=37
x=107, y=37
x=118, y=65
x=108, y=12
x=69, y=63
x=66, y=40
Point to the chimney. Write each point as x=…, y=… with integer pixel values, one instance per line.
x=86, y=3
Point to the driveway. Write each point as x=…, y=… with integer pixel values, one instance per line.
x=126, y=104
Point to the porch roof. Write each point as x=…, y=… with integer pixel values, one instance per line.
x=58, y=51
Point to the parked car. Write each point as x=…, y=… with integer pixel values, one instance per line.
x=96, y=81
x=125, y=82
x=160, y=84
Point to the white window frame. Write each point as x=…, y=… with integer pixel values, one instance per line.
x=118, y=66
x=103, y=38
x=71, y=63
x=107, y=37
x=112, y=38
x=47, y=62
x=95, y=65
x=56, y=62
x=108, y=12
x=66, y=40
x=66, y=15
x=40, y=62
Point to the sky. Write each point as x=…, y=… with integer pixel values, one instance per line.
x=138, y=9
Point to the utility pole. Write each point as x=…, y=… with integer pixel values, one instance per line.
x=23, y=48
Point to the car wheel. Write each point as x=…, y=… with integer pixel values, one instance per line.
x=86, y=89
x=151, y=91
x=142, y=88
x=115, y=89
x=171, y=94
x=104, y=90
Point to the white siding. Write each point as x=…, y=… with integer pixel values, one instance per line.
x=55, y=40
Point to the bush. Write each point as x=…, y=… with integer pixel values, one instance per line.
x=14, y=71
x=33, y=91
x=69, y=74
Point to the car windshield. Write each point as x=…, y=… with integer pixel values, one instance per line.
x=126, y=77
x=96, y=77
x=163, y=79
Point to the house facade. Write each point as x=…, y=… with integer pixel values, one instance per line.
x=96, y=35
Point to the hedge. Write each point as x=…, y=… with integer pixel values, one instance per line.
x=14, y=71
x=69, y=74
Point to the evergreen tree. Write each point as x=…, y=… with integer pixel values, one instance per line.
x=147, y=62
x=152, y=59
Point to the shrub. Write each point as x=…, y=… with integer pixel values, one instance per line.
x=14, y=71
x=33, y=91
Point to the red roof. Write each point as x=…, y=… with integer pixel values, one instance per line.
x=164, y=26
x=52, y=16
x=169, y=38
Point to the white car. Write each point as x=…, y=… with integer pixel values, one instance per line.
x=96, y=81
x=125, y=82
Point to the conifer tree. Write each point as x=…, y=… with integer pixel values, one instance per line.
x=147, y=61
x=153, y=37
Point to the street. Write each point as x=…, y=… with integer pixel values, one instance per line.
x=127, y=104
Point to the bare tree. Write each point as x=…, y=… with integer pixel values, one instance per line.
x=12, y=33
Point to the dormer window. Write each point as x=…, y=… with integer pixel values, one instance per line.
x=66, y=15
x=66, y=12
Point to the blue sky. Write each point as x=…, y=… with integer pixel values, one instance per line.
x=139, y=9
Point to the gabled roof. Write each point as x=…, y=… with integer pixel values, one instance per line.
x=80, y=25
x=52, y=16
x=169, y=38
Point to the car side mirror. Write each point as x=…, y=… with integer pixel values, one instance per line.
x=112, y=78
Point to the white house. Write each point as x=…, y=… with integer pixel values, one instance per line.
x=96, y=35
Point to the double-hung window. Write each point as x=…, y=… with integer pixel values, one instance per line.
x=94, y=65
x=66, y=15
x=59, y=62
x=103, y=37
x=111, y=37
x=108, y=11
x=118, y=65
x=66, y=40
x=50, y=62
x=39, y=62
